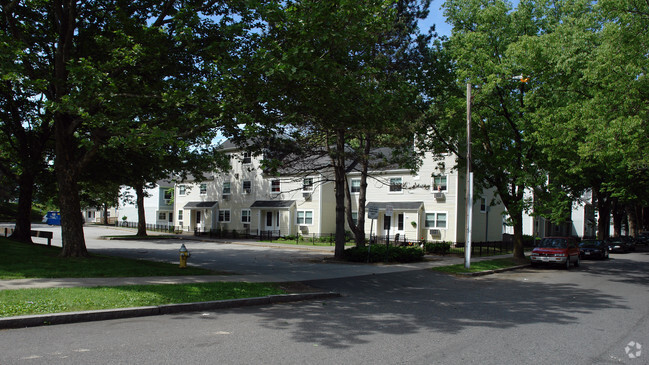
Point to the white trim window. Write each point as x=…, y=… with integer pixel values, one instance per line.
x=436, y=220
x=305, y=217
x=355, y=186
x=275, y=186
x=162, y=216
x=440, y=183
x=307, y=184
x=182, y=190
x=396, y=185
x=203, y=189
x=227, y=188
x=224, y=216
x=247, y=186
x=247, y=158
x=245, y=216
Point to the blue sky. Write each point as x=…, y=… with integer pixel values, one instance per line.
x=436, y=17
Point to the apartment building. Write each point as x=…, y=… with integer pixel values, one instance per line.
x=429, y=204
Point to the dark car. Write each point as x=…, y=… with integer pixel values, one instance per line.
x=630, y=242
x=556, y=250
x=617, y=244
x=593, y=249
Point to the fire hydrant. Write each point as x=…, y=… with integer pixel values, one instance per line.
x=184, y=255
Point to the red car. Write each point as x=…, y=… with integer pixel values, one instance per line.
x=556, y=250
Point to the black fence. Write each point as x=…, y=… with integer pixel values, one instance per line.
x=150, y=227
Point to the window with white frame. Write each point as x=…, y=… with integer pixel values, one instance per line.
x=247, y=186
x=162, y=216
x=436, y=220
x=355, y=217
x=245, y=216
x=274, y=186
x=247, y=158
x=307, y=184
x=168, y=194
x=355, y=186
x=396, y=184
x=182, y=190
x=226, y=188
x=439, y=183
x=203, y=189
x=180, y=215
x=224, y=216
x=304, y=217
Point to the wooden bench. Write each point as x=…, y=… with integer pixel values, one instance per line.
x=44, y=234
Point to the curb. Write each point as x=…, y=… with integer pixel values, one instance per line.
x=103, y=315
x=489, y=272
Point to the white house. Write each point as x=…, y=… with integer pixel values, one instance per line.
x=427, y=205
x=158, y=205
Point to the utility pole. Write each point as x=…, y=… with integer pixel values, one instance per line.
x=469, y=181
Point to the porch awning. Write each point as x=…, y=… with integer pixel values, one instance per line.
x=201, y=205
x=396, y=205
x=272, y=204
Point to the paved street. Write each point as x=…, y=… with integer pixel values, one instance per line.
x=391, y=314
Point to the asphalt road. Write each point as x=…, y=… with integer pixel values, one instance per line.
x=587, y=315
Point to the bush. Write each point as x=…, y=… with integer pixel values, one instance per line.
x=378, y=254
x=438, y=248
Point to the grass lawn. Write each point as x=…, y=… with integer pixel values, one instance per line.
x=19, y=260
x=56, y=300
x=480, y=266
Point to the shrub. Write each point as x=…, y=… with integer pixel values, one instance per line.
x=378, y=254
x=438, y=248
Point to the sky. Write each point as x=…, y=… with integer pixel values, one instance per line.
x=436, y=17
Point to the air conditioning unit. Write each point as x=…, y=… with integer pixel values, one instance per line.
x=304, y=229
x=167, y=201
x=226, y=197
x=247, y=191
x=435, y=232
x=306, y=195
x=439, y=196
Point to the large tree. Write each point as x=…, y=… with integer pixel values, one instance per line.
x=335, y=72
x=109, y=71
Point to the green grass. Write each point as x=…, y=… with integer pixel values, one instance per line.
x=21, y=261
x=479, y=266
x=44, y=301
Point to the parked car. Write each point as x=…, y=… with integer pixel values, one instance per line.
x=616, y=244
x=630, y=242
x=643, y=238
x=593, y=249
x=557, y=251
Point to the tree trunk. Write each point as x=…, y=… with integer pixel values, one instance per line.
x=141, y=215
x=74, y=244
x=105, y=213
x=22, y=232
x=359, y=228
x=632, y=218
x=604, y=215
x=339, y=177
x=618, y=216
x=517, y=220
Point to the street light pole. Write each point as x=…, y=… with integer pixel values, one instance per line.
x=469, y=181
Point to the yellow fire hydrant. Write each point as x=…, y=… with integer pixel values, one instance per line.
x=184, y=254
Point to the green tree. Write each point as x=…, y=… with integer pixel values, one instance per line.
x=109, y=71
x=336, y=72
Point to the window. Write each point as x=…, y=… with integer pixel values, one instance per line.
x=162, y=216
x=355, y=217
x=439, y=183
x=355, y=185
x=307, y=184
x=182, y=190
x=247, y=158
x=400, y=222
x=435, y=220
x=274, y=186
x=483, y=205
x=171, y=217
x=224, y=216
x=180, y=215
x=247, y=186
x=226, y=188
x=168, y=193
x=304, y=217
x=395, y=184
x=245, y=216
x=203, y=189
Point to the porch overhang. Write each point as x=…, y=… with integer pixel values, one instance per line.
x=201, y=205
x=273, y=204
x=401, y=206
